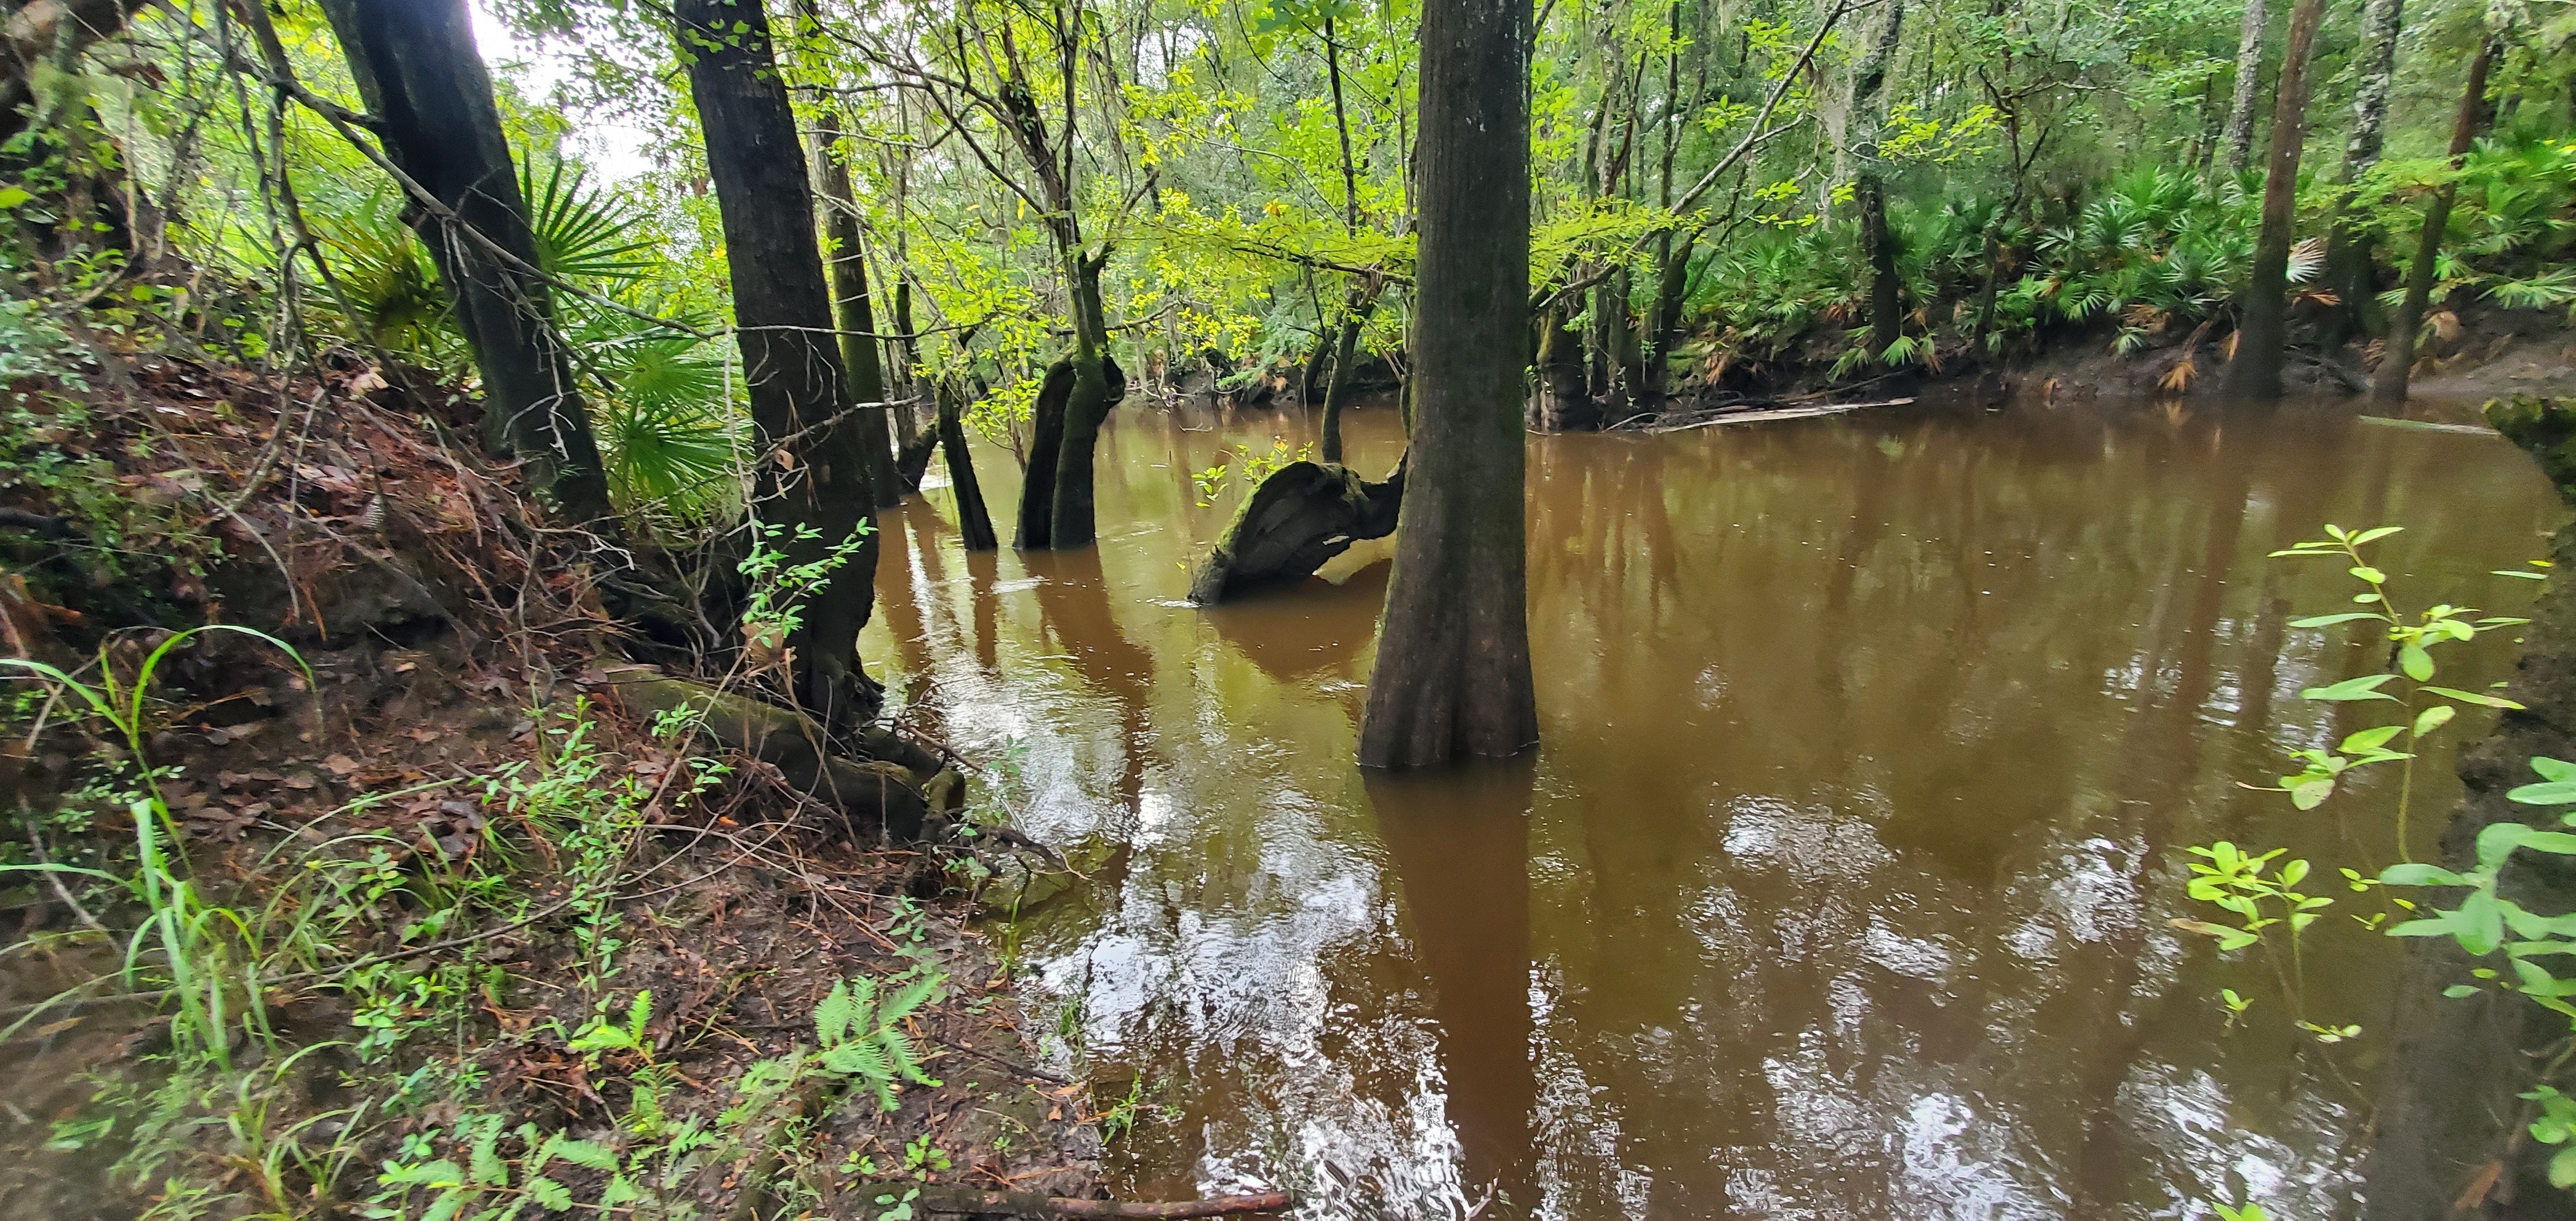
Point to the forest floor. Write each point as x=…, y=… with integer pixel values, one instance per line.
x=476, y=889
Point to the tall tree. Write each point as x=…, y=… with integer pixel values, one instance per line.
x=1453, y=665
x=851, y=309
x=1869, y=115
x=419, y=72
x=812, y=478
x=2397, y=357
x=2348, y=269
x=2239, y=138
x=2263, y=322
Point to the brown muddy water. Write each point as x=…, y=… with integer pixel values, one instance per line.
x=1839, y=885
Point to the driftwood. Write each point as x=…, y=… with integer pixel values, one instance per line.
x=942, y=1198
x=1303, y=515
x=899, y=785
x=1775, y=413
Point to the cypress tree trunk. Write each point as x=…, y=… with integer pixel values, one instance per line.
x=2397, y=359
x=1098, y=385
x=1564, y=403
x=2263, y=325
x=907, y=358
x=1046, y=444
x=783, y=314
x=1346, y=349
x=2348, y=268
x=2239, y=138
x=1869, y=114
x=973, y=522
x=1663, y=323
x=1453, y=666
x=852, y=313
x=417, y=68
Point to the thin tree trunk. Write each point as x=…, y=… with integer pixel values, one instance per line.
x=973, y=522
x=2397, y=359
x=2239, y=138
x=1564, y=403
x=1453, y=663
x=817, y=488
x=418, y=70
x=1346, y=351
x=1869, y=114
x=2263, y=325
x=852, y=312
x=2348, y=268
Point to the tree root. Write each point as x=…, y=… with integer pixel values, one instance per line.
x=1298, y=519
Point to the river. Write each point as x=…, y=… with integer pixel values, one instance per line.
x=1839, y=884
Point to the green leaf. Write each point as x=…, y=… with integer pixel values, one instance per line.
x=2440, y=927
x=11, y=197
x=2550, y=793
x=2420, y=875
x=2456, y=991
x=2498, y=840
x=582, y=1152
x=2365, y=687
x=2368, y=573
x=2374, y=534
x=2369, y=739
x=2434, y=718
x=2417, y=663
x=2331, y=620
x=553, y=1194
x=2472, y=697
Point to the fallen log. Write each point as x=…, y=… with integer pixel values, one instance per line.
x=1302, y=516
x=942, y=1198
x=899, y=785
x=1774, y=413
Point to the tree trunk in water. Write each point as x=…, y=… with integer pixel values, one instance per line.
x=1310, y=381
x=1046, y=442
x=2249, y=72
x=973, y=522
x=1453, y=666
x=2348, y=269
x=1098, y=385
x=1563, y=403
x=1869, y=114
x=783, y=314
x=863, y=368
x=2263, y=327
x=1664, y=324
x=2397, y=358
x=907, y=359
x=417, y=68
x=1346, y=351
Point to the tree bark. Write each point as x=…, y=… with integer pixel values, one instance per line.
x=852, y=312
x=1453, y=665
x=38, y=31
x=1869, y=107
x=1098, y=385
x=973, y=522
x=2348, y=269
x=2263, y=324
x=1346, y=351
x=1564, y=403
x=1046, y=443
x=417, y=68
x=2249, y=73
x=812, y=478
x=2397, y=357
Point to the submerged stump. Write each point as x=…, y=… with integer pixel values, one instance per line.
x=1302, y=516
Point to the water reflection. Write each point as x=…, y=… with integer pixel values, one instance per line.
x=1840, y=885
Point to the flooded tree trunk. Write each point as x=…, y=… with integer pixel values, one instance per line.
x=1098, y=385
x=783, y=310
x=2264, y=321
x=2397, y=360
x=1869, y=106
x=2239, y=137
x=2348, y=264
x=1300, y=517
x=973, y=521
x=1453, y=665
x=1346, y=351
x=1564, y=404
x=863, y=368
x=417, y=68
x=1046, y=438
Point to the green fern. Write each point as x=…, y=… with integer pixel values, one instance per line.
x=861, y=1033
